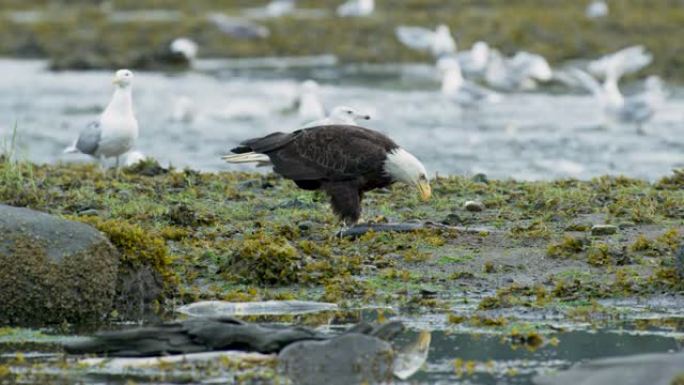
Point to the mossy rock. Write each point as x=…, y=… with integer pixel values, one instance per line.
x=145, y=276
x=53, y=270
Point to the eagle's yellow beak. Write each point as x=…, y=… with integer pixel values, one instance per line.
x=425, y=190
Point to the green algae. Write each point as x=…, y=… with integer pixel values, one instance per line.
x=245, y=236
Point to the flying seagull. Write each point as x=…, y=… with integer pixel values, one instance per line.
x=115, y=131
x=636, y=109
x=623, y=62
x=520, y=72
x=340, y=115
x=343, y=161
x=474, y=61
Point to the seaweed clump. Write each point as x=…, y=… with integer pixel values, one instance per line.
x=145, y=274
x=265, y=259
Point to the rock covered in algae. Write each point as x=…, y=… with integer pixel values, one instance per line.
x=53, y=270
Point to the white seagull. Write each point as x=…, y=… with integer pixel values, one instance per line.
x=520, y=72
x=438, y=42
x=457, y=89
x=474, y=61
x=185, y=47
x=625, y=61
x=340, y=115
x=277, y=8
x=115, y=131
x=184, y=110
x=133, y=158
x=309, y=105
x=356, y=8
x=636, y=109
x=596, y=9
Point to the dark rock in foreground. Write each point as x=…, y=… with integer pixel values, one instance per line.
x=53, y=270
x=349, y=359
x=651, y=369
x=192, y=336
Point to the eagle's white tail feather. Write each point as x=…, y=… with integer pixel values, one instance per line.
x=249, y=157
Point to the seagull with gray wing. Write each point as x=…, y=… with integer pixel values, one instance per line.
x=115, y=131
x=339, y=115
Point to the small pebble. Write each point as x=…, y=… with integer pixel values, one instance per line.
x=452, y=220
x=305, y=225
x=603, y=229
x=474, y=206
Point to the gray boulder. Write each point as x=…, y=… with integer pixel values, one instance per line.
x=53, y=270
x=640, y=369
x=349, y=359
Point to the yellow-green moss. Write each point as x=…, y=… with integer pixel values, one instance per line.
x=599, y=255
x=137, y=246
x=569, y=246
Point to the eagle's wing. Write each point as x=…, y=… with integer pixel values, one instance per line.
x=332, y=153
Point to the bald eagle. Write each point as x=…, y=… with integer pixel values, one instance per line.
x=343, y=161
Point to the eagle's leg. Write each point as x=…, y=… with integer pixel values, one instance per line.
x=345, y=199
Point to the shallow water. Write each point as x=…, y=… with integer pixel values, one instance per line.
x=527, y=136
x=457, y=355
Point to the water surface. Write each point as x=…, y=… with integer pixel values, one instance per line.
x=538, y=135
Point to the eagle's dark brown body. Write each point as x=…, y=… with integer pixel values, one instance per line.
x=343, y=161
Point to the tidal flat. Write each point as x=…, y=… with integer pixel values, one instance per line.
x=527, y=270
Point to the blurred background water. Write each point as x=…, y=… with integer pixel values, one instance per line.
x=190, y=119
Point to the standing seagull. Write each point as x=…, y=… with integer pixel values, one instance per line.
x=115, y=131
x=463, y=92
x=309, y=105
x=340, y=115
x=356, y=8
x=342, y=161
x=596, y=10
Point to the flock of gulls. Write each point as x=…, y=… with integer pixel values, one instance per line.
x=331, y=152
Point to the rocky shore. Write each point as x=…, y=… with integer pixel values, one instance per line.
x=176, y=236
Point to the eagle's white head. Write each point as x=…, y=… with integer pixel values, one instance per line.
x=402, y=166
